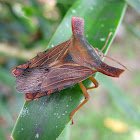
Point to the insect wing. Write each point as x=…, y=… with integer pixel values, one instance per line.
x=44, y=58
x=42, y=78
x=51, y=55
x=31, y=79
x=65, y=76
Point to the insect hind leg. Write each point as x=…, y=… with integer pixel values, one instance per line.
x=94, y=81
x=86, y=99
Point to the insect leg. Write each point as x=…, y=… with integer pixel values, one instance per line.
x=94, y=82
x=86, y=99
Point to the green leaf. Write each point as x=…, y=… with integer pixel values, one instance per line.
x=135, y=4
x=45, y=25
x=121, y=101
x=66, y=2
x=133, y=29
x=46, y=117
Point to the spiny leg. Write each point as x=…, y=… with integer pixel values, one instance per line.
x=86, y=99
x=94, y=82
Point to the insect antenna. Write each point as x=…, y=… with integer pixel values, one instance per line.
x=106, y=41
x=110, y=57
x=117, y=62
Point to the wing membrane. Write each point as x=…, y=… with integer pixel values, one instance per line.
x=64, y=76
x=51, y=55
x=43, y=78
x=44, y=58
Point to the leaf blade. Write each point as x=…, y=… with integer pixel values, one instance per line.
x=134, y=4
x=40, y=118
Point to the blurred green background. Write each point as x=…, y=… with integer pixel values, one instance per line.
x=26, y=28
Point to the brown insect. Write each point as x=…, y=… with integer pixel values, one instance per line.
x=64, y=65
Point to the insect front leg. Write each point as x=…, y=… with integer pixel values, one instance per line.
x=94, y=82
x=86, y=99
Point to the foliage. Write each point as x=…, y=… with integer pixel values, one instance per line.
x=28, y=25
